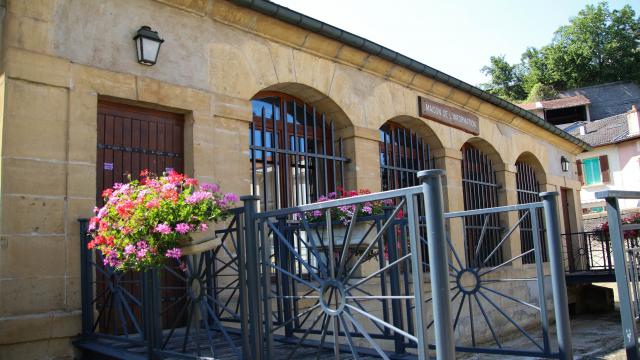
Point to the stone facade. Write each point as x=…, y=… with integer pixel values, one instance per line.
x=60, y=56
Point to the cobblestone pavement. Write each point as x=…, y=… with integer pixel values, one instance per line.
x=595, y=336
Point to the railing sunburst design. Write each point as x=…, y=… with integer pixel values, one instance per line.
x=325, y=298
x=488, y=301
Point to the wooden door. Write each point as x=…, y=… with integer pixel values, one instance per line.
x=131, y=139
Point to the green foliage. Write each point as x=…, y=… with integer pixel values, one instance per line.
x=599, y=45
x=506, y=79
x=540, y=92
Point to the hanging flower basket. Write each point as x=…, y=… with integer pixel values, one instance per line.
x=144, y=223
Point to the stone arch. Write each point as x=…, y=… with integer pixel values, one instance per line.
x=489, y=150
x=421, y=128
x=531, y=160
x=313, y=97
x=296, y=145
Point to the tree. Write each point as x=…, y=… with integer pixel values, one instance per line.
x=597, y=46
x=506, y=79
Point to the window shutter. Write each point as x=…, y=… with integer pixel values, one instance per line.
x=579, y=166
x=604, y=169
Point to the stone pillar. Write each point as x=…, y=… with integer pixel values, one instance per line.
x=362, y=147
x=451, y=161
x=507, y=195
x=221, y=145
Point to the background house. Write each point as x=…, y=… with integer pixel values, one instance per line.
x=606, y=117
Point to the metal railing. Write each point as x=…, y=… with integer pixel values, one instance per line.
x=168, y=312
x=616, y=229
x=281, y=281
x=633, y=269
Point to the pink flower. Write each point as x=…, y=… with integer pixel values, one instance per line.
x=183, y=266
x=209, y=187
x=204, y=227
x=183, y=228
x=230, y=197
x=129, y=249
x=153, y=203
x=143, y=248
x=175, y=253
x=197, y=197
x=163, y=228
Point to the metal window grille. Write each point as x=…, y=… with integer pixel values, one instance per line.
x=480, y=191
x=402, y=154
x=295, y=156
x=528, y=191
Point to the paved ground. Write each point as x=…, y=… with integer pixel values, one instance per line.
x=594, y=337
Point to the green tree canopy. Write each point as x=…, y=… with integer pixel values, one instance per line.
x=599, y=45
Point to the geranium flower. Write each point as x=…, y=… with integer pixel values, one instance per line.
x=163, y=228
x=183, y=228
x=209, y=187
x=175, y=253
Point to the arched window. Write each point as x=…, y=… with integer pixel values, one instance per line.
x=402, y=154
x=528, y=190
x=295, y=155
x=480, y=190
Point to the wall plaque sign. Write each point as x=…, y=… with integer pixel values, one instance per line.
x=448, y=115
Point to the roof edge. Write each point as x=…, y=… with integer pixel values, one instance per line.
x=298, y=19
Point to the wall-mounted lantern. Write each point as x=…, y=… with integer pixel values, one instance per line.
x=564, y=163
x=148, y=45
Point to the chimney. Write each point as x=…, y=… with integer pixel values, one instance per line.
x=633, y=120
x=583, y=129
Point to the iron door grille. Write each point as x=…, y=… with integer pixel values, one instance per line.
x=480, y=191
x=528, y=191
x=295, y=155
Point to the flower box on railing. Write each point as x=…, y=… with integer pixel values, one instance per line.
x=146, y=222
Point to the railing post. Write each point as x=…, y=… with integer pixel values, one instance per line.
x=151, y=311
x=629, y=330
x=558, y=282
x=86, y=278
x=256, y=344
x=438, y=263
x=396, y=304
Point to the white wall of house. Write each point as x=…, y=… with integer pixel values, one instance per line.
x=624, y=168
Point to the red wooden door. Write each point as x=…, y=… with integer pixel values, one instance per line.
x=131, y=139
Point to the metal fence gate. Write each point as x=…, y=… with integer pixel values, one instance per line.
x=302, y=283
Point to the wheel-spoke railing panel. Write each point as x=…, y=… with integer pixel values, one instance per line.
x=347, y=287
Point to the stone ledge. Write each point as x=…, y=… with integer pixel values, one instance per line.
x=18, y=329
x=37, y=68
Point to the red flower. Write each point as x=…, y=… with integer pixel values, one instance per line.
x=170, y=195
x=175, y=177
x=190, y=181
x=107, y=193
x=124, y=208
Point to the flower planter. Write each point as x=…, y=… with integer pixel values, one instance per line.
x=339, y=234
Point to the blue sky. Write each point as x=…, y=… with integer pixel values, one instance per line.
x=453, y=36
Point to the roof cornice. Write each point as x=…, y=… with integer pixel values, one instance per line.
x=308, y=23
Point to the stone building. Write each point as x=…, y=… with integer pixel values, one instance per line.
x=78, y=112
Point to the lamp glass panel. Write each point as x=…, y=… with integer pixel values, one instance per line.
x=150, y=50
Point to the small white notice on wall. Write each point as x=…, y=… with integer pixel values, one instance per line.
x=168, y=170
x=108, y=166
